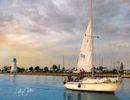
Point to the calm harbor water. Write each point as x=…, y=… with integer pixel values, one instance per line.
x=27, y=87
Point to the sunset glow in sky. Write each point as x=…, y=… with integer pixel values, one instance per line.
x=41, y=32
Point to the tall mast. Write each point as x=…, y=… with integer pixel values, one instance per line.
x=63, y=61
x=91, y=19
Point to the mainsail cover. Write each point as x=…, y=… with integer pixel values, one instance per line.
x=85, y=56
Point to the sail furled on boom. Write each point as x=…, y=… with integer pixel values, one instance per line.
x=85, y=55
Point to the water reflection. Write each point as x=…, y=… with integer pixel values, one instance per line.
x=23, y=87
x=75, y=95
x=13, y=79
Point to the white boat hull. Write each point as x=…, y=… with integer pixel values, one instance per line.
x=97, y=87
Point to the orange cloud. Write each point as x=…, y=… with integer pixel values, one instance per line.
x=3, y=39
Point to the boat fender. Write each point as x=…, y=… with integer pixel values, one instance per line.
x=79, y=85
x=64, y=82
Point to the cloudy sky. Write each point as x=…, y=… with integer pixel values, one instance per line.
x=41, y=32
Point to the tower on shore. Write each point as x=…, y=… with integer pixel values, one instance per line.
x=14, y=66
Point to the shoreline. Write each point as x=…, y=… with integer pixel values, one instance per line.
x=67, y=74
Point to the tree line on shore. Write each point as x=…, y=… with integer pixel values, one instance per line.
x=53, y=68
x=58, y=68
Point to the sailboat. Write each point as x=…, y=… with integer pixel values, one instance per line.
x=85, y=62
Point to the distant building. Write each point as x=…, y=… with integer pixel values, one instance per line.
x=126, y=70
x=14, y=66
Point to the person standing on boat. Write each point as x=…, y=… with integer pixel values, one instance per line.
x=80, y=75
x=70, y=79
